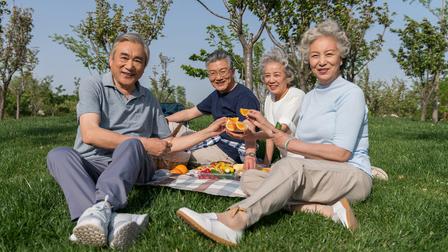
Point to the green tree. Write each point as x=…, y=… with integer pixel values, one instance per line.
x=293, y=17
x=421, y=55
x=3, y=10
x=18, y=88
x=14, y=49
x=161, y=86
x=95, y=35
x=236, y=10
x=440, y=13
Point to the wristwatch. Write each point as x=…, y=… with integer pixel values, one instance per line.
x=250, y=154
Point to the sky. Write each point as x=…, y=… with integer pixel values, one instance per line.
x=184, y=34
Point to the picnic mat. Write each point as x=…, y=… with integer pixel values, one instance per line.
x=220, y=187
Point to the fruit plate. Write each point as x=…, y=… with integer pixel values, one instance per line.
x=217, y=170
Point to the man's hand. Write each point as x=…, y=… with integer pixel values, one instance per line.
x=155, y=146
x=247, y=135
x=250, y=162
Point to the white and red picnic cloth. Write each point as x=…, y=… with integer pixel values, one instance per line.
x=220, y=187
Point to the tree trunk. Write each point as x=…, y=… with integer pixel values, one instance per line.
x=248, y=59
x=424, y=106
x=2, y=103
x=435, y=108
x=17, y=106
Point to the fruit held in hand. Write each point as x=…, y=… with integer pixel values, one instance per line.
x=235, y=126
x=244, y=111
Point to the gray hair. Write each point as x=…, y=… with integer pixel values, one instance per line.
x=131, y=37
x=219, y=54
x=278, y=56
x=326, y=28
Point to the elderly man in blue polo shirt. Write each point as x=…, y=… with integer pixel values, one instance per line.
x=121, y=127
x=225, y=101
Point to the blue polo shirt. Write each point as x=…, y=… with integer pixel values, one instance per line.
x=228, y=105
x=337, y=114
x=138, y=115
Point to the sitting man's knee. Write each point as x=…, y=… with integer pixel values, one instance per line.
x=58, y=153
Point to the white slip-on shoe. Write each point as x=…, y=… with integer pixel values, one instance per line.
x=379, y=173
x=125, y=228
x=342, y=212
x=73, y=238
x=209, y=225
x=92, y=226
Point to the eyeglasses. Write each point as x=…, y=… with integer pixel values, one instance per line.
x=223, y=72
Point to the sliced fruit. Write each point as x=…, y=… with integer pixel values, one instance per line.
x=238, y=167
x=233, y=119
x=240, y=126
x=244, y=111
x=230, y=125
x=267, y=169
x=179, y=169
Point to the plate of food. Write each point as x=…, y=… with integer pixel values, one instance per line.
x=222, y=170
x=218, y=170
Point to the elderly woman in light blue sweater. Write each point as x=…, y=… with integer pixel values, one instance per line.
x=332, y=135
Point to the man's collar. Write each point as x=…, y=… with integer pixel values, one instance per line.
x=108, y=81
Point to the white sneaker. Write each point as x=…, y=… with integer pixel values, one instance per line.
x=379, y=173
x=342, y=212
x=124, y=229
x=92, y=226
x=73, y=238
x=209, y=225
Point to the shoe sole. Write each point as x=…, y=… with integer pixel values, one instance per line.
x=200, y=229
x=90, y=235
x=125, y=236
x=352, y=223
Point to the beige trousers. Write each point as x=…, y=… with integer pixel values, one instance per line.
x=201, y=156
x=305, y=180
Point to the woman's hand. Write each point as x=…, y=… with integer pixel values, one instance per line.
x=256, y=116
x=279, y=138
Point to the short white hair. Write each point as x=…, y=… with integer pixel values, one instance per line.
x=327, y=28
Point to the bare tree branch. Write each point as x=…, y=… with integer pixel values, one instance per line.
x=212, y=12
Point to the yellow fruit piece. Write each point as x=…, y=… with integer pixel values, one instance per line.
x=238, y=167
x=240, y=126
x=233, y=119
x=179, y=169
x=266, y=169
x=244, y=112
x=230, y=125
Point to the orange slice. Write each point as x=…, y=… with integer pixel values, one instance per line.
x=230, y=125
x=244, y=112
x=240, y=126
x=179, y=169
x=233, y=119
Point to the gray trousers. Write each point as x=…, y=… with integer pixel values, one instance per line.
x=85, y=182
x=304, y=180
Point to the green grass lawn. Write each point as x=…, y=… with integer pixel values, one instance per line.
x=409, y=212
